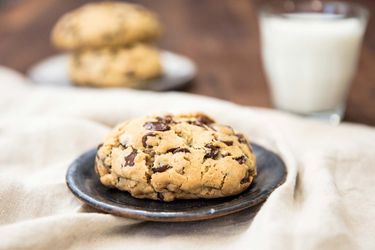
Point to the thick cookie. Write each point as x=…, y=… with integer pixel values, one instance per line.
x=105, y=24
x=115, y=67
x=186, y=156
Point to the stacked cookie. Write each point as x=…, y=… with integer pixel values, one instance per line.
x=110, y=44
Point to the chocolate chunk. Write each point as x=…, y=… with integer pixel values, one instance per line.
x=99, y=146
x=241, y=138
x=159, y=119
x=228, y=143
x=200, y=124
x=197, y=123
x=178, y=150
x=213, y=152
x=246, y=179
x=205, y=120
x=145, y=137
x=241, y=160
x=161, y=168
x=129, y=160
x=160, y=196
x=156, y=126
x=165, y=119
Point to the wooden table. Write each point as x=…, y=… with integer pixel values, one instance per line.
x=220, y=36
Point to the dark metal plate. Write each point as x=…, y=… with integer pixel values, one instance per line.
x=84, y=183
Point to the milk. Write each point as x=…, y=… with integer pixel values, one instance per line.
x=310, y=59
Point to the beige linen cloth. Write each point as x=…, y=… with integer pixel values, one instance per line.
x=327, y=201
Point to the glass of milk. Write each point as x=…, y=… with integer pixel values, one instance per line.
x=310, y=52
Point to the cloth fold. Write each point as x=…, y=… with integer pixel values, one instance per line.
x=327, y=201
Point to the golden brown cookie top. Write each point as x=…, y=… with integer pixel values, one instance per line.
x=176, y=157
x=105, y=24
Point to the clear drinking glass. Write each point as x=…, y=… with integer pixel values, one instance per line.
x=310, y=51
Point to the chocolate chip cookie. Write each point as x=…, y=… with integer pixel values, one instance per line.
x=186, y=156
x=115, y=67
x=105, y=24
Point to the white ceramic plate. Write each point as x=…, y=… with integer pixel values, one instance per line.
x=178, y=71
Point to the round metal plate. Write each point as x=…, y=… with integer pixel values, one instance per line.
x=84, y=183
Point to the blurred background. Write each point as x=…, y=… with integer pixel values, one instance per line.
x=221, y=36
